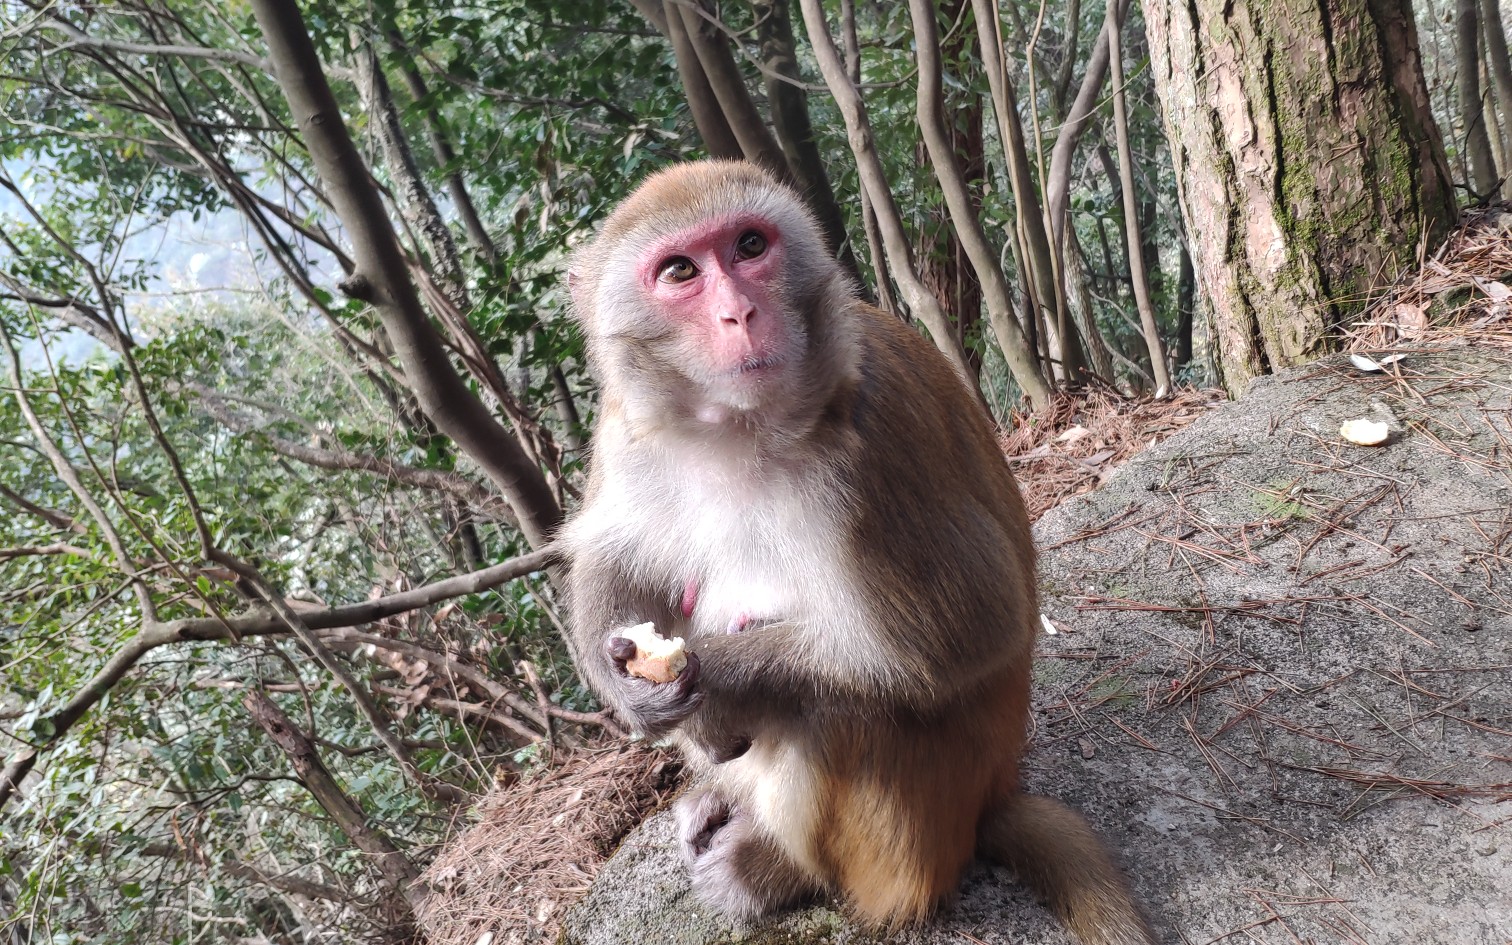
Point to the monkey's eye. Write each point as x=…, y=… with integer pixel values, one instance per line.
x=677, y=269
x=750, y=245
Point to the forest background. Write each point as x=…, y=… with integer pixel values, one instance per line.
x=292, y=402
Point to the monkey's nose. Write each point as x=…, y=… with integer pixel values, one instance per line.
x=738, y=316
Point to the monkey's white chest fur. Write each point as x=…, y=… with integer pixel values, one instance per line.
x=746, y=546
x=756, y=542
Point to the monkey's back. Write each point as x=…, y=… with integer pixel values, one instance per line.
x=943, y=533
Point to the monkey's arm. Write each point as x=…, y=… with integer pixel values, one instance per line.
x=604, y=599
x=770, y=677
x=943, y=616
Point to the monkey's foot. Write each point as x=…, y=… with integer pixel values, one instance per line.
x=700, y=815
x=736, y=867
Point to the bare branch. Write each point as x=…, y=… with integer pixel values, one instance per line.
x=51, y=516
x=400, y=875
x=71, y=478
x=256, y=623
x=77, y=37
x=340, y=459
x=895, y=240
x=381, y=276
x=28, y=551
x=376, y=719
x=283, y=882
x=453, y=669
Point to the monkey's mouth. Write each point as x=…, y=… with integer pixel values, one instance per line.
x=755, y=367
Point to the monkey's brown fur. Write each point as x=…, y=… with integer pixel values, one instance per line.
x=862, y=737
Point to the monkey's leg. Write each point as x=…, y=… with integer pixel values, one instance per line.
x=1055, y=852
x=736, y=867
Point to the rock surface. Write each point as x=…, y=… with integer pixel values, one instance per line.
x=1281, y=686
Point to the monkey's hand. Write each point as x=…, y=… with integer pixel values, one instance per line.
x=653, y=709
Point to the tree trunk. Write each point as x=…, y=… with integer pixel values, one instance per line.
x=943, y=264
x=399, y=874
x=895, y=240
x=869, y=222
x=958, y=200
x=1308, y=163
x=719, y=140
x=1084, y=310
x=1038, y=257
x=788, y=102
x=717, y=60
x=1138, y=274
x=1482, y=180
x=1499, y=66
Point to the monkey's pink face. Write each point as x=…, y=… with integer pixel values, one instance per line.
x=719, y=284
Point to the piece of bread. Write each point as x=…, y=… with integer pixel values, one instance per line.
x=656, y=658
x=1365, y=432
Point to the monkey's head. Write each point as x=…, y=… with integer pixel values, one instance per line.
x=708, y=299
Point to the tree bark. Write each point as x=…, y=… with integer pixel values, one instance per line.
x=445, y=156
x=410, y=190
x=1307, y=159
x=1186, y=301
x=381, y=277
x=1079, y=300
x=943, y=263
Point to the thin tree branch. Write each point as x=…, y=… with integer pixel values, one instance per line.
x=339, y=459
x=66, y=472
x=376, y=718
x=51, y=516
x=399, y=874
x=381, y=277
x=258, y=622
x=968, y=225
x=895, y=240
x=78, y=37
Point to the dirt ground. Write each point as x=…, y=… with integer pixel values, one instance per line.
x=1281, y=684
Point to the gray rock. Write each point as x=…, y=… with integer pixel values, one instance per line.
x=1282, y=689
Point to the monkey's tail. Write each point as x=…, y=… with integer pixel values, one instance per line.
x=1055, y=853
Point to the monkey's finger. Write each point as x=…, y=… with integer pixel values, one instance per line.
x=620, y=650
x=687, y=680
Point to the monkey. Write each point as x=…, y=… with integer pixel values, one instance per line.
x=800, y=485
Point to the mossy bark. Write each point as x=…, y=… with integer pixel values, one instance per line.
x=1308, y=163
